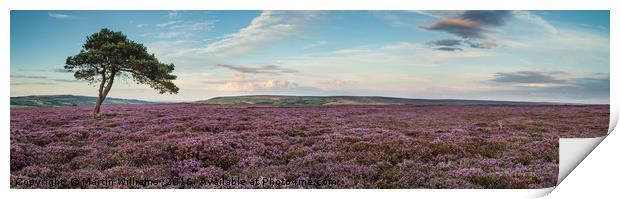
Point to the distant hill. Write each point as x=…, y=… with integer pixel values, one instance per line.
x=66, y=100
x=343, y=100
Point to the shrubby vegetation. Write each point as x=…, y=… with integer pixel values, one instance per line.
x=387, y=146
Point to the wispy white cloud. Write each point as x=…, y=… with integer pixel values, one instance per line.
x=269, y=26
x=195, y=26
x=168, y=23
x=317, y=44
x=439, y=13
x=59, y=15
x=569, y=47
x=166, y=35
x=535, y=19
x=596, y=27
x=174, y=29
x=172, y=14
x=264, y=69
x=171, y=50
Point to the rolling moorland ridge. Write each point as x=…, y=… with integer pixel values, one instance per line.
x=349, y=100
x=66, y=100
x=277, y=100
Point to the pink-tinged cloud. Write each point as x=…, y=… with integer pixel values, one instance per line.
x=265, y=69
x=461, y=27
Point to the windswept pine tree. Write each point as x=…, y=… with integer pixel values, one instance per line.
x=108, y=55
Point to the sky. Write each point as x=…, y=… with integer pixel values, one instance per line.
x=551, y=56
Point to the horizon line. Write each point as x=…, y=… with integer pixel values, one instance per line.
x=256, y=95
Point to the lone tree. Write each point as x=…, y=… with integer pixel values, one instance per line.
x=108, y=55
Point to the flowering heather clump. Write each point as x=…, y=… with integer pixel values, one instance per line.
x=388, y=146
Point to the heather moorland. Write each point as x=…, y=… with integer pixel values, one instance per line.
x=357, y=146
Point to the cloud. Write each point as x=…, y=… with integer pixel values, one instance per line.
x=471, y=24
x=265, y=69
x=195, y=26
x=252, y=85
x=60, y=70
x=571, y=47
x=461, y=27
x=141, y=25
x=483, y=45
x=401, y=56
x=595, y=27
x=28, y=76
x=449, y=49
x=396, y=18
x=439, y=13
x=47, y=80
x=168, y=23
x=557, y=85
x=487, y=17
x=176, y=29
x=167, y=35
x=215, y=81
x=534, y=19
x=59, y=16
x=66, y=80
x=478, y=28
x=588, y=87
x=31, y=83
x=268, y=27
x=172, y=14
x=445, y=42
x=529, y=77
x=317, y=44
x=582, y=90
x=336, y=84
x=446, y=45
x=172, y=50
x=269, y=87
x=457, y=45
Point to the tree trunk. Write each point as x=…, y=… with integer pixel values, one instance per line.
x=97, y=106
x=103, y=93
